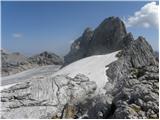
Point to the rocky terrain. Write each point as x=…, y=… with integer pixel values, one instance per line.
x=131, y=89
x=135, y=82
x=15, y=62
x=45, y=98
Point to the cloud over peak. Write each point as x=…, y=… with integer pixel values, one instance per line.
x=146, y=17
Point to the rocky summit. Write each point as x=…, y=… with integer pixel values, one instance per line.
x=131, y=89
x=108, y=37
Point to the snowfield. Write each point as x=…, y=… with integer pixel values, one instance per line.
x=30, y=74
x=93, y=67
x=6, y=86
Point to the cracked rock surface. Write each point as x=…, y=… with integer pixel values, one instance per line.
x=44, y=98
x=135, y=83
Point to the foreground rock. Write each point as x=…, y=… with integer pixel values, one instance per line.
x=46, y=98
x=15, y=62
x=135, y=83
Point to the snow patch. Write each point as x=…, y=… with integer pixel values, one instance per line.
x=6, y=86
x=93, y=67
x=30, y=74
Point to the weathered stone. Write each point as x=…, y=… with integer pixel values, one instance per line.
x=44, y=98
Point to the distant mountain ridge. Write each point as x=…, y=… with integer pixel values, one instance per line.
x=15, y=62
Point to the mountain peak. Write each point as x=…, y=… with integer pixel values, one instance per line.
x=112, y=23
x=107, y=37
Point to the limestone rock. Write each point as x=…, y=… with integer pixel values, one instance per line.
x=135, y=81
x=45, y=97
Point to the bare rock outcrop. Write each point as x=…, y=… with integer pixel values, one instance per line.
x=79, y=47
x=108, y=37
x=45, y=98
x=135, y=82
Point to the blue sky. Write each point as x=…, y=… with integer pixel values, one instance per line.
x=32, y=27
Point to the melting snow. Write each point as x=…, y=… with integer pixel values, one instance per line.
x=93, y=67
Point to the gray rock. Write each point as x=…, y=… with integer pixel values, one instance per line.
x=109, y=36
x=46, y=58
x=94, y=108
x=15, y=62
x=79, y=47
x=134, y=79
x=45, y=97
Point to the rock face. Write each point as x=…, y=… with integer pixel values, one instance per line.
x=15, y=62
x=135, y=82
x=46, y=98
x=79, y=47
x=156, y=53
x=108, y=37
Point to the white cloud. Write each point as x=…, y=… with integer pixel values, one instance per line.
x=146, y=17
x=17, y=35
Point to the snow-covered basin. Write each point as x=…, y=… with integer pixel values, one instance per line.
x=93, y=67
